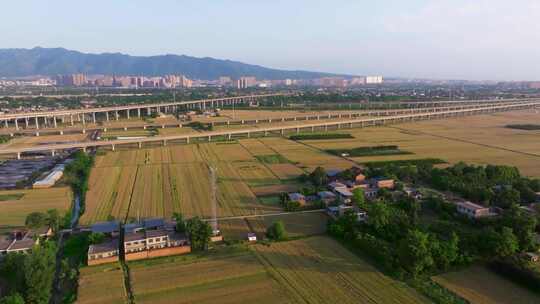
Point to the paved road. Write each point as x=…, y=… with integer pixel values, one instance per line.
x=239, y=217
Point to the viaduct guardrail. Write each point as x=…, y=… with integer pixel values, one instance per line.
x=228, y=135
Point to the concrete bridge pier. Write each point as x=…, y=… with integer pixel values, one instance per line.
x=16, y=125
x=107, y=116
x=71, y=119
x=54, y=122
x=94, y=117
x=26, y=122
x=37, y=123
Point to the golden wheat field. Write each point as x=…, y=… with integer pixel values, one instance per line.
x=475, y=139
x=304, y=156
x=159, y=181
x=32, y=141
x=101, y=284
x=320, y=270
x=235, y=277
x=13, y=211
x=478, y=285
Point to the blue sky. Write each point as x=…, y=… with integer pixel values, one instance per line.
x=457, y=39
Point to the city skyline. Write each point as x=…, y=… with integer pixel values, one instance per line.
x=419, y=39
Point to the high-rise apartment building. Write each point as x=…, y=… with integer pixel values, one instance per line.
x=374, y=79
x=246, y=82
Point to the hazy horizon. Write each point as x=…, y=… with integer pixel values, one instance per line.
x=460, y=39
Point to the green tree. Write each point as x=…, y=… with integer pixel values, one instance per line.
x=379, y=215
x=36, y=220
x=292, y=206
x=498, y=244
x=359, y=198
x=53, y=219
x=10, y=271
x=507, y=197
x=277, y=231
x=180, y=223
x=96, y=238
x=508, y=243
x=12, y=299
x=318, y=177
x=199, y=233
x=38, y=268
x=445, y=253
x=523, y=225
x=414, y=252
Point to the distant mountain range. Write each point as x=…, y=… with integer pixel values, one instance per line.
x=53, y=61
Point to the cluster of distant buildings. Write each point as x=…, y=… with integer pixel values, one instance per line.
x=181, y=81
x=338, y=198
x=82, y=80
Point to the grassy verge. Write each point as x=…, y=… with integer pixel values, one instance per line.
x=272, y=159
x=318, y=136
x=528, y=127
x=11, y=197
x=405, y=162
x=369, y=151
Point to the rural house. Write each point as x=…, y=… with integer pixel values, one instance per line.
x=472, y=210
x=382, y=183
x=297, y=197
x=327, y=197
x=105, y=252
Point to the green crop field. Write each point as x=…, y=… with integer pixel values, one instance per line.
x=297, y=225
x=477, y=284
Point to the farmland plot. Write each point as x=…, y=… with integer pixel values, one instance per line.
x=19, y=203
x=305, y=156
x=304, y=224
x=256, y=147
x=285, y=171
x=477, y=284
x=101, y=284
x=233, y=278
x=159, y=181
x=255, y=174
x=320, y=270
x=235, y=229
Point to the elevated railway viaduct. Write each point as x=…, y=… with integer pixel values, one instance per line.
x=280, y=130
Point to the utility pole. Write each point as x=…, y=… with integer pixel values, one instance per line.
x=213, y=198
